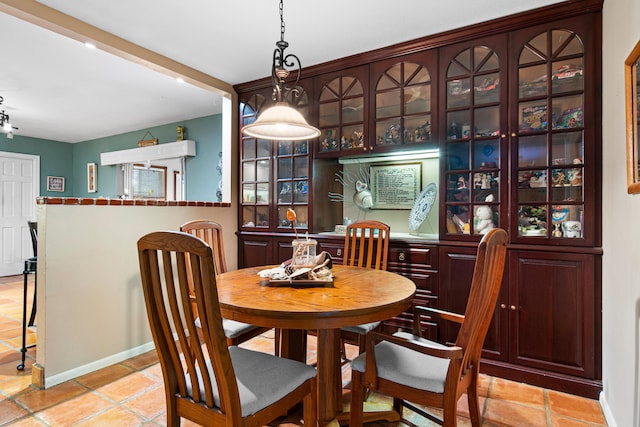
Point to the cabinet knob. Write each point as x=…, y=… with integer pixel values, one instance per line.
x=513, y=307
x=513, y=134
x=339, y=252
x=503, y=306
x=503, y=136
x=401, y=256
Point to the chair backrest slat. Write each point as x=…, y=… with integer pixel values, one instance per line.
x=366, y=245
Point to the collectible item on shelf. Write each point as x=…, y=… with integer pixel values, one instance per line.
x=572, y=229
x=570, y=118
x=393, y=135
x=483, y=217
x=422, y=133
x=534, y=118
x=568, y=71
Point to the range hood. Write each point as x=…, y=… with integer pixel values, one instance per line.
x=169, y=150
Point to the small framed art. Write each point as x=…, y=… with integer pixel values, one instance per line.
x=92, y=177
x=55, y=183
x=632, y=95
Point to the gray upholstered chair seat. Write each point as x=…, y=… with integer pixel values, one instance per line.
x=232, y=328
x=361, y=329
x=405, y=366
x=262, y=378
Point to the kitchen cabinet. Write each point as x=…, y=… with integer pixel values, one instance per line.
x=545, y=322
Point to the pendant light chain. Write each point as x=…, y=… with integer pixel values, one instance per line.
x=281, y=21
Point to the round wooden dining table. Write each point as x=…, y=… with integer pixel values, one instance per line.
x=357, y=296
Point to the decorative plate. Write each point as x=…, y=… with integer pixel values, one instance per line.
x=422, y=206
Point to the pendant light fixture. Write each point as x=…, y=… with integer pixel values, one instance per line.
x=5, y=126
x=281, y=121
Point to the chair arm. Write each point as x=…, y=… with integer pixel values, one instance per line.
x=452, y=352
x=434, y=312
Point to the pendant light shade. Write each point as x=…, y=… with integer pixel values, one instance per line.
x=281, y=122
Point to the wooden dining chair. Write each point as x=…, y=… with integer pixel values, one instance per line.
x=366, y=245
x=211, y=232
x=413, y=369
x=206, y=381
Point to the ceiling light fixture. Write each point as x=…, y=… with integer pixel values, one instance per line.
x=4, y=122
x=281, y=121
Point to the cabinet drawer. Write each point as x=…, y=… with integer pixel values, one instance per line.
x=424, y=257
x=426, y=281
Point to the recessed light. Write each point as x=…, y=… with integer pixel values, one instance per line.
x=179, y=79
x=90, y=45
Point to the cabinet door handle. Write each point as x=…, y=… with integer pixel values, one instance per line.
x=503, y=306
x=513, y=307
x=401, y=256
x=339, y=252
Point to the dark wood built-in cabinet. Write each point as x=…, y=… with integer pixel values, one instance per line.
x=514, y=107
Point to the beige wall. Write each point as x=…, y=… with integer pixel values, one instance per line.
x=91, y=308
x=621, y=227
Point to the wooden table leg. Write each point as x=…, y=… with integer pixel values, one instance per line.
x=329, y=377
x=293, y=344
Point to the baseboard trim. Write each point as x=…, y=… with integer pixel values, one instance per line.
x=606, y=410
x=95, y=365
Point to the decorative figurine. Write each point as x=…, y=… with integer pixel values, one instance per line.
x=483, y=217
x=557, y=231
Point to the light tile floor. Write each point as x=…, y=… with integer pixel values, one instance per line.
x=131, y=393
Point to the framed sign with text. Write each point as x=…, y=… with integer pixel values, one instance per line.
x=55, y=183
x=395, y=186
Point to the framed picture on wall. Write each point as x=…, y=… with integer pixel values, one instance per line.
x=55, y=183
x=92, y=177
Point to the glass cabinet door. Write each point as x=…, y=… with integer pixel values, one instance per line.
x=255, y=169
x=550, y=138
x=293, y=183
x=341, y=112
x=403, y=105
x=473, y=152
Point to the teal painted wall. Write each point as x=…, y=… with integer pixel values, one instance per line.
x=202, y=178
x=56, y=159
x=70, y=160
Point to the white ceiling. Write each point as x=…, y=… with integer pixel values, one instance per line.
x=55, y=88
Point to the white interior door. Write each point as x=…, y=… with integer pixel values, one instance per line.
x=19, y=187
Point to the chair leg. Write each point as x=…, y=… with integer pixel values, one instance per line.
x=357, y=399
x=310, y=407
x=450, y=414
x=474, y=408
x=361, y=343
x=276, y=342
x=32, y=318
x=23, y=350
